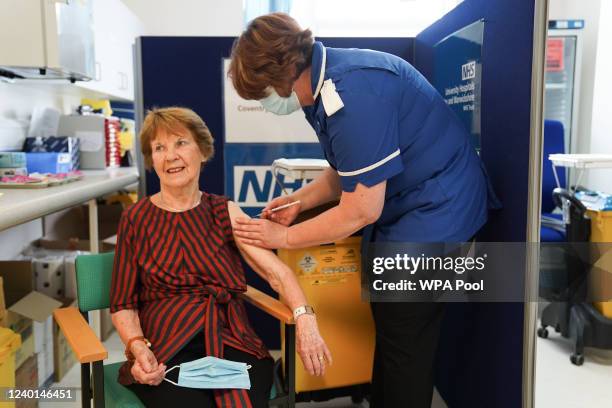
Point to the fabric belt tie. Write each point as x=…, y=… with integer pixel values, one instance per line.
x=214, y=341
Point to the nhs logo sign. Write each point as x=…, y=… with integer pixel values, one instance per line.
x=468, y=71
x=254, y=186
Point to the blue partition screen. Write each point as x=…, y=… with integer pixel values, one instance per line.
x=481, y=345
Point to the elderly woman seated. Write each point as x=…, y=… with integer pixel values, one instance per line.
x=177, y=272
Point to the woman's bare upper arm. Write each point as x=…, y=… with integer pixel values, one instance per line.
x=262, y=260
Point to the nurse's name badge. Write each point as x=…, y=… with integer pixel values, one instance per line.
x=332, y=102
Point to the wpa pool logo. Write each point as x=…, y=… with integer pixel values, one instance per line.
x=254, y=186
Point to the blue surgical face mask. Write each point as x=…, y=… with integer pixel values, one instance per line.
x=274, y=103
x=212, y=373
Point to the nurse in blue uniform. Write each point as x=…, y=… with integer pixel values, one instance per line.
x=401, y=165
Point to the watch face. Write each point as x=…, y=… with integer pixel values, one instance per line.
x=306, y=309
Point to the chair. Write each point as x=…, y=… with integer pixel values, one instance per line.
x=553, y=268
x=552, y=228
x=99, y=381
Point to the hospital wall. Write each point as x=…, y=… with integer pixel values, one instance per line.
x=601, y=126
x=189, y=17
x=589, y=11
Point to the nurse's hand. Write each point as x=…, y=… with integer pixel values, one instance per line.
x=261, y=233
x=285, y=216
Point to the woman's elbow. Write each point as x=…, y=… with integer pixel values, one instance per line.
x=275, y=282
x=275, y=276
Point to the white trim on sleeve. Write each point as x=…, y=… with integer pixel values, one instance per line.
x=370, y=167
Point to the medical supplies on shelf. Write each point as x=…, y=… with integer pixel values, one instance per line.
x=38, y=180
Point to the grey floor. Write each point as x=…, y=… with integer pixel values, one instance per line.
x=559, y=384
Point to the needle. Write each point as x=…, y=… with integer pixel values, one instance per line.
x=282, y=207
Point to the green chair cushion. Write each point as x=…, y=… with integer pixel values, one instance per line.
x=115, y=394
x=93, y=274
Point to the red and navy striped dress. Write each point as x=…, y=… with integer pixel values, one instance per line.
x=182, y=272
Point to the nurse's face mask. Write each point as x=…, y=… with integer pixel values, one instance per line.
x=274, y=103
x=212, y=373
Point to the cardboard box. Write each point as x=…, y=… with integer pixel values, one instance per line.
x=49, y=276
x=43, y=334
x=39, y=308
x=48, y=163
x=3, y=310
x=18, y=280
x=26, y=376
x=74, y=222
x=59, y=144
x=45, y=365
x=70, y=286
x=13, y=171
x=91, y=130
x=63, y=356
x=2, y=302
x=26, y=350
x=12, y=159
x=72, y=244
x=16, y=322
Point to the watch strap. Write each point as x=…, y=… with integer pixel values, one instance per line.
x=304, y=309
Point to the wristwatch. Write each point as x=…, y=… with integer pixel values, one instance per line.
x=300, y=310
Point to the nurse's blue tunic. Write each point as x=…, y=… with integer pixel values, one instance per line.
x=394, y=126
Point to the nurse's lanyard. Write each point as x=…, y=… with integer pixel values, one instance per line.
x=314, y=96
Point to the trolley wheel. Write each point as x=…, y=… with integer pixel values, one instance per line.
x=543, y=333
x=577, y=359
x=558, y=328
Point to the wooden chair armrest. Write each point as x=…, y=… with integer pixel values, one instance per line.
x=268, y=304
x=84, y=343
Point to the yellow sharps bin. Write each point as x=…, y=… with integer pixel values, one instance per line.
x=601, y=231
x=330, y=276
x=9, y=343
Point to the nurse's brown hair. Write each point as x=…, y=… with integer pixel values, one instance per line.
x=272, y=51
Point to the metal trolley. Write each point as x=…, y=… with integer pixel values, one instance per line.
x=569, y=313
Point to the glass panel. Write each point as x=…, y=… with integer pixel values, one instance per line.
x=560, y=77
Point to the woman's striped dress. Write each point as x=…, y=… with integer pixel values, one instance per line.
x=182, y=272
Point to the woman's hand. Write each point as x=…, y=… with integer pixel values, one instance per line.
x=261, y=233
x=145, y=368
x=285, y=216
x=310, y=345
